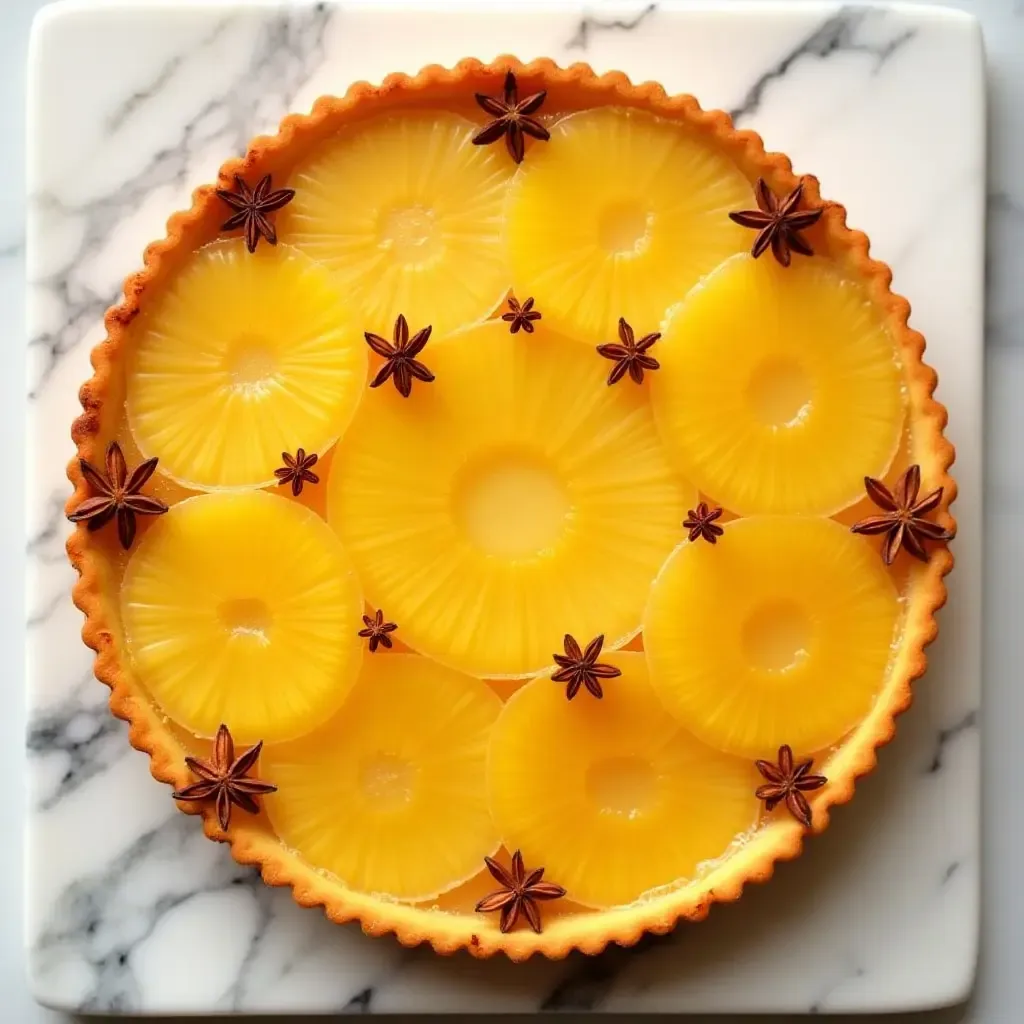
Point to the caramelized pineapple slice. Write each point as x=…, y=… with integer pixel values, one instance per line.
x=619, y=216
x=407, y=213
x=611, y=795
x=779, y=388
x=782, y=632
x=515, y=499
x=390, y=795
x=243, y=609
x=244, y=356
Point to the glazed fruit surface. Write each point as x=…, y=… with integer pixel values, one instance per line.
x=390, y=794
x=778, y=636
x=509, y=505
x=778, y=391
x=650, y=222
x=236, y=609
x=407, y=214
x=519, y=500
x=638, y=802
x=242, y=353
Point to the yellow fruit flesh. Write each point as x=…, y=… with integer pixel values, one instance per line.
x=390, y=795
x=620, y=214
x=611, y=795
x=780, y=633
x=245, y=355
x=407, y=214
x=243, y=609
x=779, y=388
x=513, y=500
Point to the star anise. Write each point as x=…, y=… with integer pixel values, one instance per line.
x=581, y=668
x=224, y=778
x=630, y=356
x=119, y=495
x=789, y=783
x=377, y=630
x=297, y=470
x=400, y=357
x=903, y=521
x=522, y=316
x=251, y=207
x=701, y=523
x=519, y=893
x=511, y=119
x=778, y=223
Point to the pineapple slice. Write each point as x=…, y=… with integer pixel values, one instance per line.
x=779, y=388
x=245, y=356
x=620, y=215
x=782, y=632
x=516, y=499
x=611, y=795
x=408, y=214
x=243, y=608
x=390, y=796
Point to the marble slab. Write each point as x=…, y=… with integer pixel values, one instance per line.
x=132, y=105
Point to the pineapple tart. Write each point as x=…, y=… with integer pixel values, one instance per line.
x=519, y=495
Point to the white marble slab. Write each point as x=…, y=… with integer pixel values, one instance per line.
x=131, y=106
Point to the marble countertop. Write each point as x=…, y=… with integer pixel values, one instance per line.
x=1000, y=989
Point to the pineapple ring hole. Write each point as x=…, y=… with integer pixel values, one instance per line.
x=409, y=233
x=624, y=229
x=511, y=504
x=246, y=617
x=387, y=781
x=621, y=786
x=250, y=363
x=775, y=636
x=779, y=392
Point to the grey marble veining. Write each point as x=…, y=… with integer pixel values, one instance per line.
x=104, y=941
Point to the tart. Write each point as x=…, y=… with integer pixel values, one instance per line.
x=512, y=508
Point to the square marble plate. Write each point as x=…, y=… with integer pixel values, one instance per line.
x=132, y=105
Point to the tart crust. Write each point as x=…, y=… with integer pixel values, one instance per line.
x=250, y=838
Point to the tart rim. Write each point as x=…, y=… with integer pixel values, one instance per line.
x=779, y=838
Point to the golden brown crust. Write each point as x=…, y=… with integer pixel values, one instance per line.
x=251, y=840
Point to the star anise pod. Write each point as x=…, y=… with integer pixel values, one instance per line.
x=400, y=357
x=511, y=119
x=519, y=893
x=251, y=207
x=789, y=783
x=778, y=223
x=630, y=356
x=581, y=668
x=521, y=317
x=903, y=521
x=224, y=778
x=297, y=470
x=701, y=523
x=377, y=630
x=119, y=495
